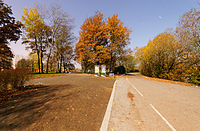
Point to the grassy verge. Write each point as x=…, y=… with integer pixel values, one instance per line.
x=36, y=76
x=169, y=81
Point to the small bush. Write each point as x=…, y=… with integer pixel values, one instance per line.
x=15, y=78
x=120, y=70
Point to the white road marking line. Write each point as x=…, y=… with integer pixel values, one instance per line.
x=104, y=125
x=172, y=128
x=134, y=88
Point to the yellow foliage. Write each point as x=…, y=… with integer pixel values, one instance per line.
x=32, y=22
x=101, y=40
x=159, y=57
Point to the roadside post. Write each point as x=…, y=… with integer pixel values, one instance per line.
x=103, y=70
x=111, y=75
x=96, y=67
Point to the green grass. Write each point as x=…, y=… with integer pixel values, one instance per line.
x=50, y=74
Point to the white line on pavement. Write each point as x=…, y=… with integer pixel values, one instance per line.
x=134, y=87
x=172, y=128
x=104, y=125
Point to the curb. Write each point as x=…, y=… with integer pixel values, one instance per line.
x=104, y=125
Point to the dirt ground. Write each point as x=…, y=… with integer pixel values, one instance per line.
x=70, y=103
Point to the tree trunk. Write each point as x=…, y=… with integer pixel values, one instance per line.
x=38, y=54
x=48, y=57
x=85, y=68
x=47, y=68
x=41, y=55
x=60, y=64
x=57, y=66
x=111, y=62
x=42, y=71
x=64, y=65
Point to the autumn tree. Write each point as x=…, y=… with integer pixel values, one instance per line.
x=69, y=55
x=101, y=41
x=91, y=48
x=33, y=25
x=5, y=56
x=118, y=39
x=129, y=62
x=34, y=59
x=188, y=34
x=174, y=55
x=25, y=64
x=59, y=34
x=10, y=30
x=60, y=27
x=48, y=34
x=63, y=45
x=159, y=57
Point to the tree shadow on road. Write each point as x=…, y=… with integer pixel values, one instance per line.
x=23, y=110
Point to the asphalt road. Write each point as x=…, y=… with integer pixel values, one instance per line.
x=147, y=105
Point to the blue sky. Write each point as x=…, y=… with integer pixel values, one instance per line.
x=146, y=18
